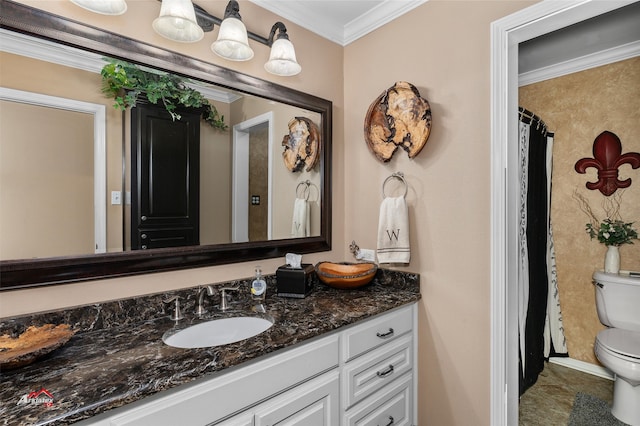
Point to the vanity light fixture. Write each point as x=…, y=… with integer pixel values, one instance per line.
x=282, y=59
x=177, y=21
x=104, y=7
x=233, y=40
x=182, y=21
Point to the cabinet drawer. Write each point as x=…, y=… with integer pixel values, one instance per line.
x=376, y=332
x=377, y=369
x=391, y=406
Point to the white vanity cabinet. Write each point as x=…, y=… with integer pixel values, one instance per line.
x=363, y=375
x=378, y=376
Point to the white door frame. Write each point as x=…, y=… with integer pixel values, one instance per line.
x=506, y=34
x=99, y=149
x=240, y=177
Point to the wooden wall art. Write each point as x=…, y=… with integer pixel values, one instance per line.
x=301, y=145
x=607, y=158
x=399, y=117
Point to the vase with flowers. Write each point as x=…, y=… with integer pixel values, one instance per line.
x=612, y=231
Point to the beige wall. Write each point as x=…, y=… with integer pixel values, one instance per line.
x=46, y=182
x=215, y=181
x=442, y=47
x=577, y=108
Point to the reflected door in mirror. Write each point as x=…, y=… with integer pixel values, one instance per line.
x=165, y=177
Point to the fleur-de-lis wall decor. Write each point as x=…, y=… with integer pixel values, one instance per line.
x=607, y=158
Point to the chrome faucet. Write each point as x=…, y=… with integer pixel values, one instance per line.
x=208, y=289
x=224, y=301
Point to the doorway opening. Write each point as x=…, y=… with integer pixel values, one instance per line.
x=252, y=179
x=507, y=34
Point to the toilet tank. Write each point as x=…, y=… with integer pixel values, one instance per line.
x=618, y=299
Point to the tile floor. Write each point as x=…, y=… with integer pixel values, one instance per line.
x=549, y=401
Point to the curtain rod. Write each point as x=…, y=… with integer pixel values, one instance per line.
x=529, y=117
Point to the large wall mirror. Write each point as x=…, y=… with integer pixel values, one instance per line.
x=66, y=164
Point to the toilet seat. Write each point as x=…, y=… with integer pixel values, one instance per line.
x=622, y=343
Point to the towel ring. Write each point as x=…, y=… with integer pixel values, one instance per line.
x=399, y=176
x=306, y=191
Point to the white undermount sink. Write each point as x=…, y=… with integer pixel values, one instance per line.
x=217, y=332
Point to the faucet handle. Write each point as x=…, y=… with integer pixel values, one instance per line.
x=224, y=303
x=177, y=312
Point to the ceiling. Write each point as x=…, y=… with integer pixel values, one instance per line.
x=341, y=21
x=611, y=30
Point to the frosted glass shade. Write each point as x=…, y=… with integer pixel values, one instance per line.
x=232, y=42
x=104, y=7
x=177, y=21
x=282, y=59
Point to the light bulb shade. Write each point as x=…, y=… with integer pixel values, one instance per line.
x=177, y=21
x=282, y=59
x=104, y=7
x=232, y=42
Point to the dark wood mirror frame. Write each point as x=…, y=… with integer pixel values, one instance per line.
x=16, y=274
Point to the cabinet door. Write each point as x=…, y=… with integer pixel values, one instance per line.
x=314, y=403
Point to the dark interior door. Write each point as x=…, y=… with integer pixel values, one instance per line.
x=165, y=178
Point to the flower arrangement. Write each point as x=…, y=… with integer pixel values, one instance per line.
x=612, y=231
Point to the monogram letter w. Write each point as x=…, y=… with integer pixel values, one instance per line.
x=393, y=234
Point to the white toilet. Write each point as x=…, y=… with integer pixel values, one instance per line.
x=618, y=347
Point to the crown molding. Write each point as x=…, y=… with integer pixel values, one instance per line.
x=604, y=57
x=377, y=17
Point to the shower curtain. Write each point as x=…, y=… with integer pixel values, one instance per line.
x=540, y=320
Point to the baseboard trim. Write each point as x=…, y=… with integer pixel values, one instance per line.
x=585, y=367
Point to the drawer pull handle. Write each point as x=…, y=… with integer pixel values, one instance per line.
x=385, y=335
x=391, y=421
x=386, y=372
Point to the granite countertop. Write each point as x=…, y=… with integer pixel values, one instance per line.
x=117, y=355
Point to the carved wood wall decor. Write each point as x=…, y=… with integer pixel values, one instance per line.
x=607, y=158
x=399, y=117
x=301, y=145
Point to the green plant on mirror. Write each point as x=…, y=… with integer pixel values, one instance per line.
x=125, y=82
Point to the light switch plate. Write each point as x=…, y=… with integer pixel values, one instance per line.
x=116, y=198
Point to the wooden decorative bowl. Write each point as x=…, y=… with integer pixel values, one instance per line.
x=346, y=275
x=32, y=344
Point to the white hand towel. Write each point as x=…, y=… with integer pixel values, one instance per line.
x=393, y=231
x=301, y=226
